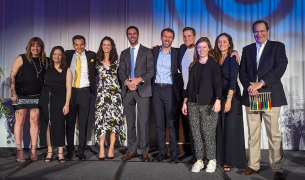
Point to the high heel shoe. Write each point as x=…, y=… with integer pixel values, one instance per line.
x=20, y=160
x=101, y=159
x=108, y=157
x=48, y=159
x=34, y=158
x=61, y=160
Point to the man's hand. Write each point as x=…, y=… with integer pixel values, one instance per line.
x=153, y=46
x=254, y=93
x=235, y=53
x=136, y=81
x=131, y=86
x=255, y=86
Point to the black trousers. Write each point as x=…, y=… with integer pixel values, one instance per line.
x=79, y=106
x=165, y=106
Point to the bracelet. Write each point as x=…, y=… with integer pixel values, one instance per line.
x=67, y=105
x=229, y=96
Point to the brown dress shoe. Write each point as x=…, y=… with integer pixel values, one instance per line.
x=249, y=171
x=145, y=158
x=278, y=176
x=130, y=155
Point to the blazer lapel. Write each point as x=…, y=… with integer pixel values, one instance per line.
x=253, y=52
x=173, y=62
x=127, y=62
x=265, y=52
x=140, y=52
x=88, y=58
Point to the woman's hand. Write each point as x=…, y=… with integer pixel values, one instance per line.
x=184, y=109
x=14, y=98
x=216, y=107
x=228, y=105
x=65, y=110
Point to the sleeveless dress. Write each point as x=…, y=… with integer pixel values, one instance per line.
x=28, y=83
x=51, y=103
x=109, y=115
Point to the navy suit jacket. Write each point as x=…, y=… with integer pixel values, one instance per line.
x=272, y=66
x=175, y=66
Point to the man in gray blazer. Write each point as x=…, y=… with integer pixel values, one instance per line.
x=135, y=72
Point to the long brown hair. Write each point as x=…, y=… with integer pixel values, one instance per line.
x=211, y=53
x=217, y=50
x=113, y=55
x=63, y=63
x=28, y=53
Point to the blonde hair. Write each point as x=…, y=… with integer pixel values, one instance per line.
x=28, y=53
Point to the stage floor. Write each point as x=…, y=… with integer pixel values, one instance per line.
x=134, y=169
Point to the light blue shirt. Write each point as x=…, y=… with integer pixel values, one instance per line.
x=164, y=70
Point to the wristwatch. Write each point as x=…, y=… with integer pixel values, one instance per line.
x=262, y=82
x=229, y=96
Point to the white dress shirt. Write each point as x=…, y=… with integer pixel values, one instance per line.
x=259, y=52
x=135, y=53
x=84, y=72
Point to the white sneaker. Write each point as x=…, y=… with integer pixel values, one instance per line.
x=211, y=167
x=197, y=166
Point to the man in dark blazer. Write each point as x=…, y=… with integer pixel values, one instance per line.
x=262, y=65
x=166, y=94
x=135, y=72
x=82, y=65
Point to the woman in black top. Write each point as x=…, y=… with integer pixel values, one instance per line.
x=230, y=129
x=203, y=102
x=26, y=80
x=54, y=103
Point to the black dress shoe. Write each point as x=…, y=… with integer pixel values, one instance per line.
x=69, y=155
x=278, y=176
x=192, y=160
x=160, y=157
x=82, y=157
x=173, y=160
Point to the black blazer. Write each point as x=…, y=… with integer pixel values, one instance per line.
x=91, y=66
x=144, y=68
x=210, y=84
x=272, y=66
x=175, y=67
x=182, y=49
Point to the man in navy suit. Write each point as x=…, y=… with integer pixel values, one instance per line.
x=166, y=94
x=262, y=66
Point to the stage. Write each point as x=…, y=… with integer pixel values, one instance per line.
x=92, y=168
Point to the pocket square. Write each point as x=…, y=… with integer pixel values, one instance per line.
x=92, y=60
x=178, y=71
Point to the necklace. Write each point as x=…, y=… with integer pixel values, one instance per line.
x=36, y=67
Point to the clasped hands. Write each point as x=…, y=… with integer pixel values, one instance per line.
x=253, y=88
x=133, y=82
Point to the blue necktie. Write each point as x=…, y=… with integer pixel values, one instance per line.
x=132, y=63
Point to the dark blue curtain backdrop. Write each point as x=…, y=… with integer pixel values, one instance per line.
x=57, y=21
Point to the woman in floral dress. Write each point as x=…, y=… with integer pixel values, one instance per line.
x=109, y=117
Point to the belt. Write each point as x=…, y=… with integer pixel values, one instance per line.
x=81, y=89
x=163, y=84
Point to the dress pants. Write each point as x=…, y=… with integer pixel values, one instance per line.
x=164, y=106
x=129, y=102
x=79, y=105
x=271, y=117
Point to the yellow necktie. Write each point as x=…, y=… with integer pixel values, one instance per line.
x=77, y=72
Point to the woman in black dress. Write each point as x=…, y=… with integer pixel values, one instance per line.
x=109, y=117
x=203, y=102
x=54, y=103
x=230, y=129
x=26, y=80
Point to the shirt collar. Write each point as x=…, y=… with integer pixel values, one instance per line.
x=163, y=52
x=136, y=47
x=83, y=53
x=263, y=45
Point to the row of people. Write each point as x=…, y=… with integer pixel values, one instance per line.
x=206, y=76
